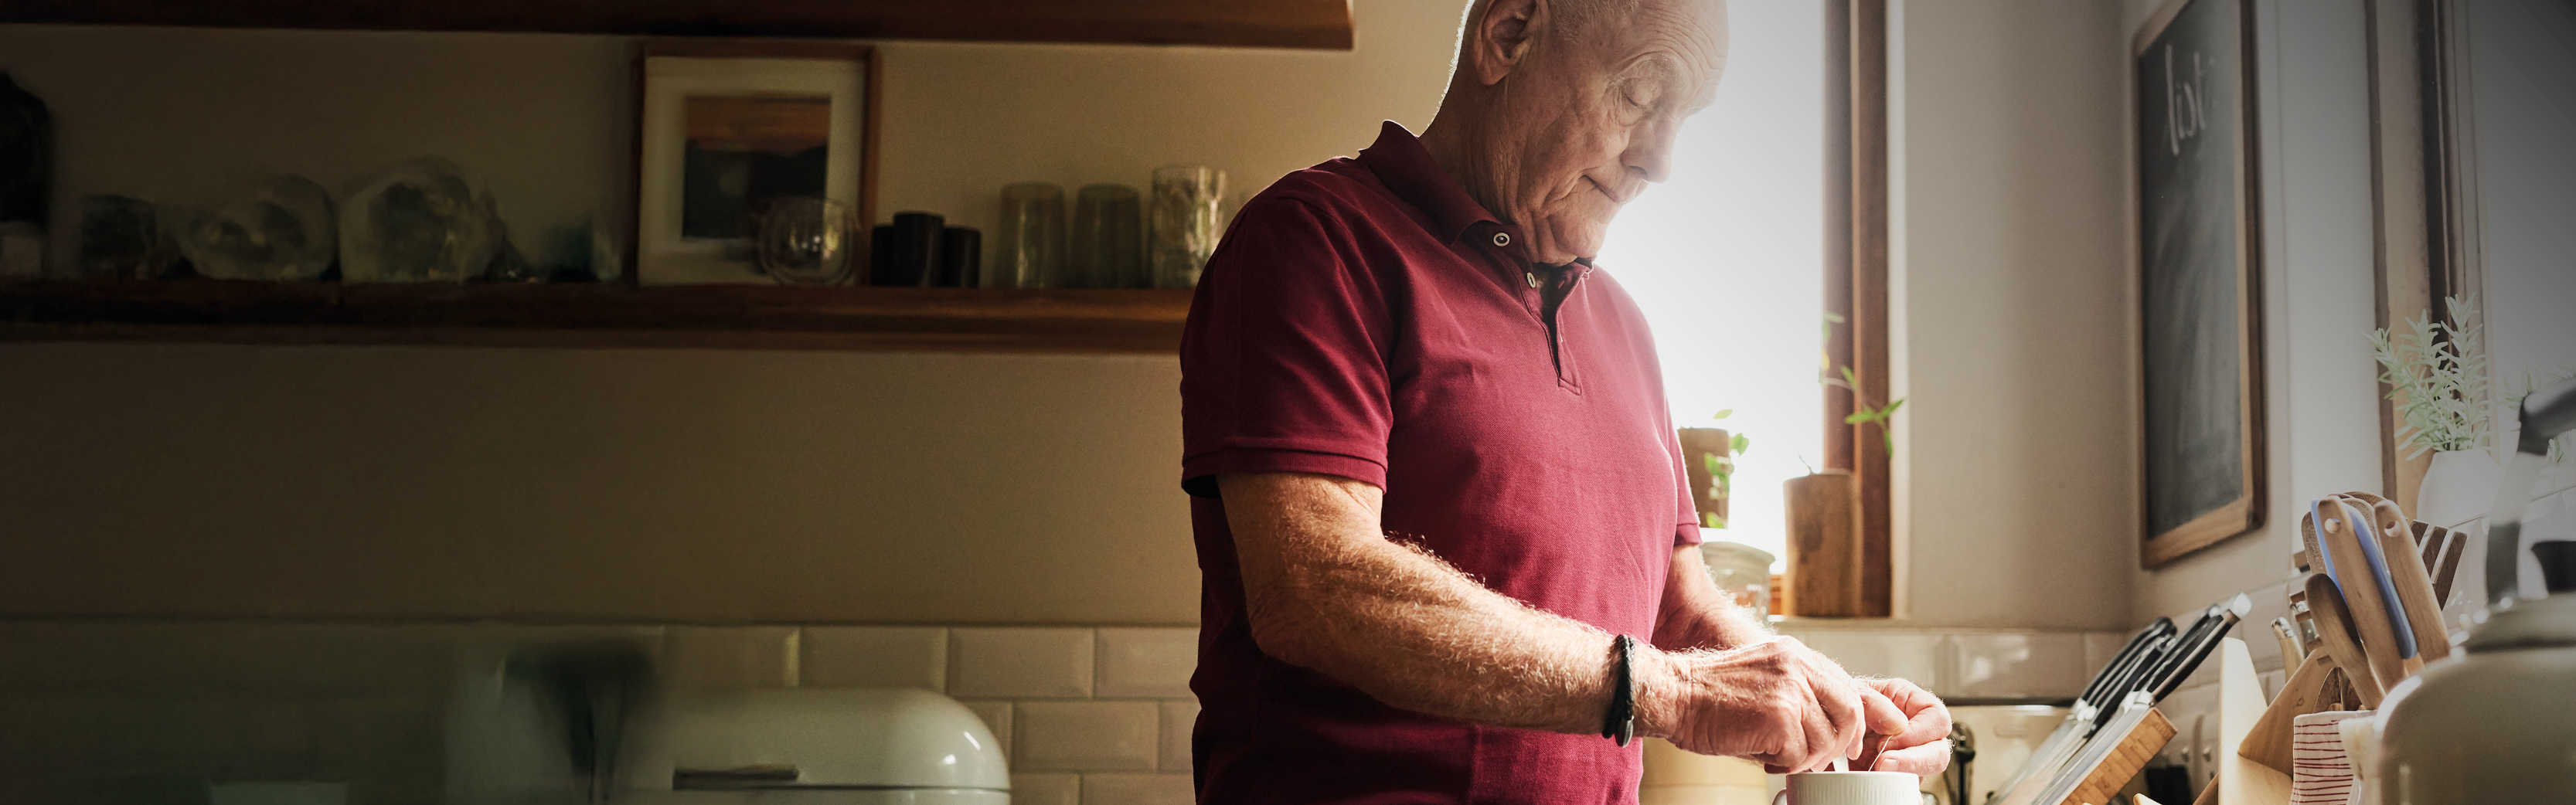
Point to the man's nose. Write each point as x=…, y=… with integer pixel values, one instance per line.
x=1650, y=153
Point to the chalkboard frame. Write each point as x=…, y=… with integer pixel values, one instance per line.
x=2243, y=511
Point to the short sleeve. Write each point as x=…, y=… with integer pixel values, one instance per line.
x=1283, y=361
x=1688, y=531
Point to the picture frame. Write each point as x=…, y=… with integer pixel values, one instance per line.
x=2200, y=360
x=724, y=125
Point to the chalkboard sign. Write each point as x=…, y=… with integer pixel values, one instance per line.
x=2199, y=362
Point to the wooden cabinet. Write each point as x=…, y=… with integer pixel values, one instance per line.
x=596, y=316
x=1311, y=24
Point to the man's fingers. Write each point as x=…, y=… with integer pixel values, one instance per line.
x=1926, y=719
x=1922, y=761
x=1880, y=712
x=1840, y=699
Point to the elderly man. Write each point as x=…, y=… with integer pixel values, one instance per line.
x=1447, y=542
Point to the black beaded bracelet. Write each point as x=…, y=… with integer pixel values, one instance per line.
x=1621, y=724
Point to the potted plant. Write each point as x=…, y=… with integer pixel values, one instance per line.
x=2438, y=376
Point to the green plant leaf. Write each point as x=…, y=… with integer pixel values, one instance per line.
x=1723, y=413
x=1740, y=443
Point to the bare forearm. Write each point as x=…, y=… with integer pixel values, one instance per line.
x=1325, y=590
x=1695, y=614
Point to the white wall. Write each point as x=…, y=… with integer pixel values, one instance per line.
x=472, y=482
x=2015, y=471
x=662, y=485
x=2313, y=118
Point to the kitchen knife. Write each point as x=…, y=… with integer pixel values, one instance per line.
x=2143, y=647
x=2202, y=631
x=2350, y=569
x=2187, y=659
x=2103, y=679
x=2293, y=649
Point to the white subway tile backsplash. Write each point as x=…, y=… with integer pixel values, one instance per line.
x=1138, y=789
x=1147, y=663
x=1087, y=736
x=1031, y=662
x=1180, y=718
x=2100, y=648
x=1046, y=789
x=875, y=657
x=1905, y=655
x=2011, y=665
x=996, y=714
x=705, y=658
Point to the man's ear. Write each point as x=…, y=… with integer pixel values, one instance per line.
x=1499, y=40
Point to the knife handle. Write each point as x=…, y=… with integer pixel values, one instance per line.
x=2189, y=660
x=2100, y=691
x=2367, y=611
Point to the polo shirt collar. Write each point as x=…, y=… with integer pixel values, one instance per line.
x=1408, y=169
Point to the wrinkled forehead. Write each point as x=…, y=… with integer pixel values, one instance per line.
x=1691, y=34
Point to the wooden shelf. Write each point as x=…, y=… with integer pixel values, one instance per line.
x=1311, y=24
x=596, y=316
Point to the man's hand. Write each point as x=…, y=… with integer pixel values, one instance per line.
x=1774, y=701
x=1923, y=748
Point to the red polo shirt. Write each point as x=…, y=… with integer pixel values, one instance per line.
x=1365, y=318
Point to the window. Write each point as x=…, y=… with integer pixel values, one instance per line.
x=1775, y=216
x=1727, y=261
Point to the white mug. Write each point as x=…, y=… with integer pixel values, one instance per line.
x=1852, y=788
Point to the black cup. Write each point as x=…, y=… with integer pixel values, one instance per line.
x=961, y=253
x=916, y=248
x=881, y=256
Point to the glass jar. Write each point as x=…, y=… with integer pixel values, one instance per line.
x=1028, y=252
x=1108, y=238
x=1187, y=222
x=1741, y=571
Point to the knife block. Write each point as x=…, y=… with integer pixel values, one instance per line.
x=2130, y=756
x=1824, y=545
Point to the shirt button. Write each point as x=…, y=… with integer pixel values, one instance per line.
x=1533, y=278
x=1502, y=238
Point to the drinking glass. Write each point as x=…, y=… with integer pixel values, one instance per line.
x=1186, y=222
x=807, y=241
x=1108, y=238
x=1029, y=250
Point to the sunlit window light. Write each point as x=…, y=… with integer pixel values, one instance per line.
x=1727, y=261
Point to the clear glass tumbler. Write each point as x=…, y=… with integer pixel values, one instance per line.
x=807, y=241
x=1029, y=250
x=1186, y=222
x=1108, y=238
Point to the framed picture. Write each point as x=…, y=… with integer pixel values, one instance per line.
x=2200, y=356
x=725, y=127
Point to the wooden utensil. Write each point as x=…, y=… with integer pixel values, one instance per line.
x=2429, y=541
x=2311, y=557
x=2335, y=631
x=2414, y=585
x=2456, y=543
x=2358, y=585
x=2307, y=691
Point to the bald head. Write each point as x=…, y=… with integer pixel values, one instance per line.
x=1561, y=111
